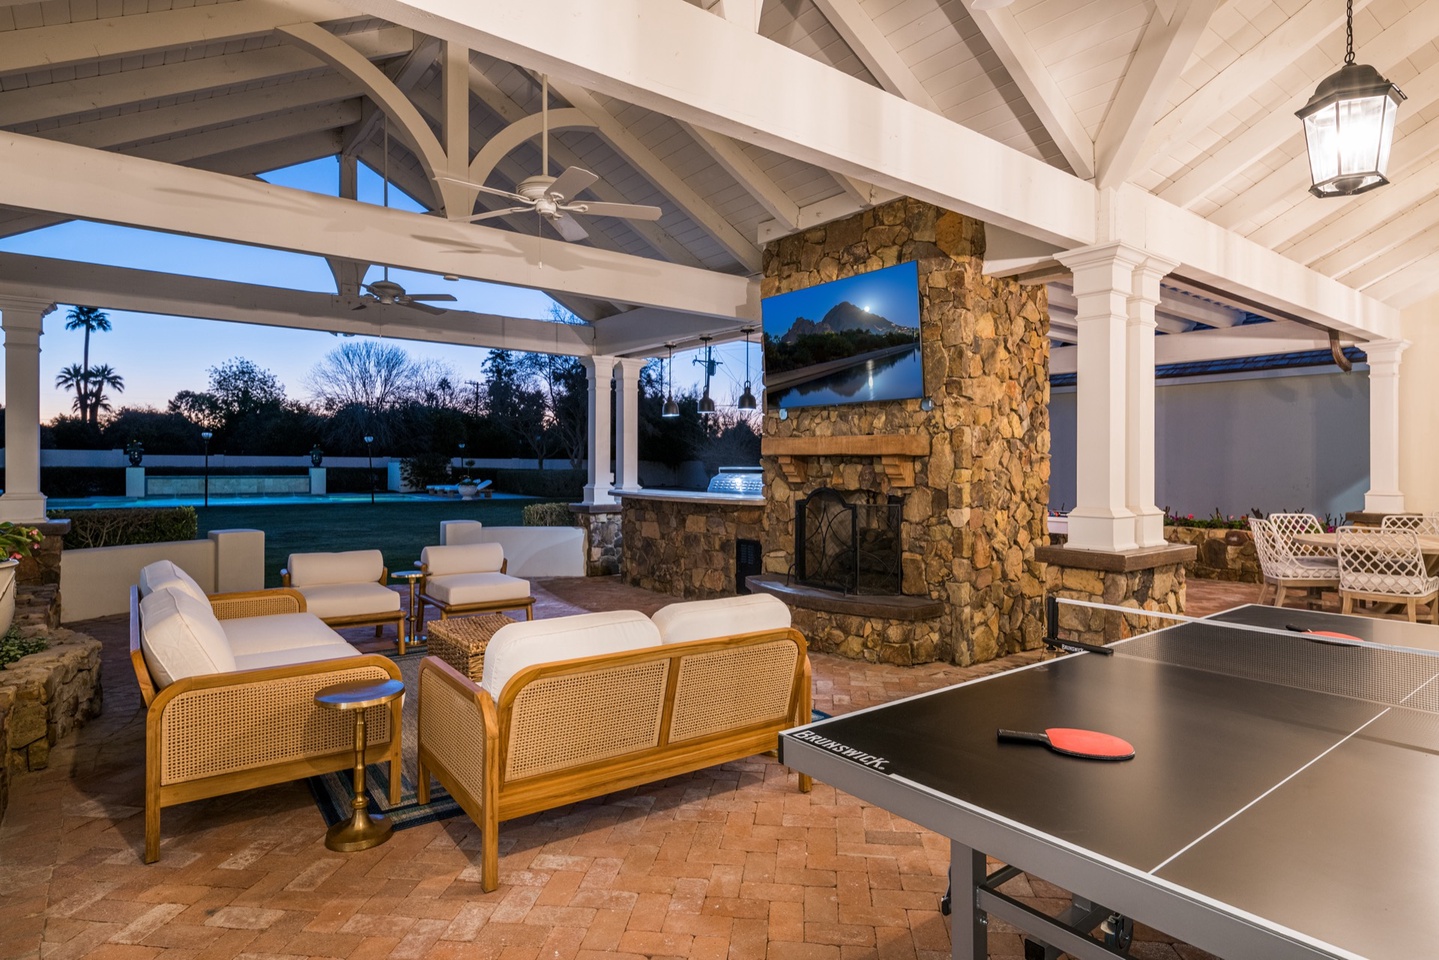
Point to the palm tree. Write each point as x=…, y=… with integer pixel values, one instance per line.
x=89, y=319
x=101, y=376
x=75, y=377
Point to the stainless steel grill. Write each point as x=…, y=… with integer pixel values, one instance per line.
x=738, y=481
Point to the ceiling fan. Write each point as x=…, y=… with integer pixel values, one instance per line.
x=553, y=198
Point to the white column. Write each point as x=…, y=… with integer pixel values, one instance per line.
x=627, y=423
x=1139, y=387
x=22, y=320
x=1384, y=495
x=599, y=370
x=1103, y=279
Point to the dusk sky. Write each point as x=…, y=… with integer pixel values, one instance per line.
x=159, y=355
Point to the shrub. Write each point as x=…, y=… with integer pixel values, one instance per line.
x=13, y=647
x=547, y=484
x=113, y=528
x=421, y=470
x=547, y=515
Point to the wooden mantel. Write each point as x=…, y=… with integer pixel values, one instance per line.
x=896, y=453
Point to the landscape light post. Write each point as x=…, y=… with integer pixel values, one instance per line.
x=206, y=435
x=463, y=471
x=370, y=459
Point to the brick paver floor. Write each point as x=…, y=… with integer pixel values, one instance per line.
x=731, y=862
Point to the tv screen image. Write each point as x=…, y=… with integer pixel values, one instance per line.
x=854, y=340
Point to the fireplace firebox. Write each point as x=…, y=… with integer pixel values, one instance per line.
x=849, y=542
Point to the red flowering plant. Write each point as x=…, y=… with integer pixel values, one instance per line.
x=18, y=541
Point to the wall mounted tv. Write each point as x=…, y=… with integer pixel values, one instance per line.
x=854, y=340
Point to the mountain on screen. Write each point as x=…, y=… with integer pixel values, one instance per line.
x=842, y=318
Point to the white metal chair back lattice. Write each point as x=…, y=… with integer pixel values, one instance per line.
x=1259, y=530
x=1286, y=526
x=1425, y=524
x=1385, y=565
x=1284, y=569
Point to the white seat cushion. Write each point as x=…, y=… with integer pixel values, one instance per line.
x=283, y=658
x=282, y=631
x=722, y=617
x=463, y=558
x=350, y=566
x=524, y=644
x=349, y=599
x=465, y=588
x=181, y=637
x=163, y=573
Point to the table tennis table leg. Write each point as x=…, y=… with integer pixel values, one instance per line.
x=968, y=925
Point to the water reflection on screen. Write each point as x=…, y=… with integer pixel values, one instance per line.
x=890, y=378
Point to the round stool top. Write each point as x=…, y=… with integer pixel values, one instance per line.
x=407, y=574
x=359, y=694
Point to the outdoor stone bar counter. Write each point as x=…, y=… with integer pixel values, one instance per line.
x=683, y=542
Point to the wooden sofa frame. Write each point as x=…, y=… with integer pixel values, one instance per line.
x=377, y=620
x=211, y=735
x=526, y=604
x=466, y=740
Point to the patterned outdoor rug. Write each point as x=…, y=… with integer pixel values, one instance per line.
x=332, y=790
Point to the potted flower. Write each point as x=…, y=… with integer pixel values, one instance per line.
x=468, y=488
x=16, y=543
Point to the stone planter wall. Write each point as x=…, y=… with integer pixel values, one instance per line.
x=1223, y=554
x=976, y=511
x=689, y=547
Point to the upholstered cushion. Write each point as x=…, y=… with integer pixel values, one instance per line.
x=464, y=588
x=460, y=532
x=281, y=631
x=349, y=599
x=724, y=617
x=283, y=658
x=350, y=566
x=524, y=644
x=463, y=558
x=180, y=637
x=163, y=573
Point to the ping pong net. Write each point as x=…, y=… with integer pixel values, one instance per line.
x=1270, y=652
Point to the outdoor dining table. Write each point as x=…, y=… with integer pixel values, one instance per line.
x=1428, y=544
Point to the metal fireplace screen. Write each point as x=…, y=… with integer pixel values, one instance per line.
x=848, y=543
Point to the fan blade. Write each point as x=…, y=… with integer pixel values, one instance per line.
x=430, y=296
x=496, y=191
x=567, y=227
x=630, y=211
x=494, y=213
x=571, y=182
x=422, y=307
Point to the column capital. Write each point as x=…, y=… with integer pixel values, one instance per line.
x=1384, y=352
x=1122, y=261
x=600, y=363
x=17, y=313
x=631, y=366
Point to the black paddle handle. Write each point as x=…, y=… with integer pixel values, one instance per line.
x=1024, y=735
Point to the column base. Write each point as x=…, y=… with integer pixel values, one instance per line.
x=1149, y=528
x=23, y=507
x=1094, y=530
x=599, y=496
x=1374, y=502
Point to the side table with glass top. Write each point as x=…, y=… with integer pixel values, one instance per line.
x=363, y=830
x=412, y=577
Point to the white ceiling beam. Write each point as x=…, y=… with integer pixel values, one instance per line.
x=1257, y=66
x=455, y=104
x=625, y=49
x=1407, y=287
x=744, y=14
x=1357, y=216
x=645, y=331
x=758, y=184
x=144, y=291
x=47, y=47
x=1270, y=131
x=421, y=58
x=651, y=233
x=1256, y=340
x=1163, y=51
x=521, y=131
x=99, y=185
x=1061, y=297
x=810, y=215
x=15, y=222
x=1007, y=253
x=1407, y=229
x=1198, y=307
x=659, y=173
x=1420, y=243
x=189, y=77
x=872, y=47
x=1028, y=71
x=325, y=116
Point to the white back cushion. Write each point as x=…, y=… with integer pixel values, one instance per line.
x=350, y=566
x=163, y=573
x=181, y=637
x=458, y=532
x=722, y=617
x=524, y=644
x=463, y=558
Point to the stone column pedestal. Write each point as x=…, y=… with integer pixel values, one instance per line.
x=603, y=542
x=1148, y=579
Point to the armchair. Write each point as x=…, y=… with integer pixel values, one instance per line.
x=470, y=578
x=346, y=589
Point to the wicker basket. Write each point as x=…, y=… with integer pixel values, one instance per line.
x=461, y=641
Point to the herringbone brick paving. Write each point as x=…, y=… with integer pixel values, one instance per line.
x=731, y=862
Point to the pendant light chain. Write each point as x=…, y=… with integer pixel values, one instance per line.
x=1349, y=30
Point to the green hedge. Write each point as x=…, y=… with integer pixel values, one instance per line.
x=548, y=515
x=566, y=485
x=82, y=481
x=114, y=528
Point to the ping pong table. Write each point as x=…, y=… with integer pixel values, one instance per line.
x=1283, y=801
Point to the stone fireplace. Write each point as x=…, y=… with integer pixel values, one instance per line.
x=971, y=474
x=848, y=542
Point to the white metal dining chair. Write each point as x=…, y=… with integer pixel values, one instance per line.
x=1287, y=526
x=1285, y=571
x=1385, y=566
x=1424, y=524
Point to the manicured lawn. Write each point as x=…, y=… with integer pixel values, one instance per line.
x=401, y=530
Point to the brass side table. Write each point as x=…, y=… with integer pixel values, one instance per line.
x=363, y=830
x=411, y=577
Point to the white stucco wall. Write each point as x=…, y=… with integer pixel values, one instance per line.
x=1419, y=407
x=1295, y=440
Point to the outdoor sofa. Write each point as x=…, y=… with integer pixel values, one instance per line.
x=229, y=685
x=577, y=707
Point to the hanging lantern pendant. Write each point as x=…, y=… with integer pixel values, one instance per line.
x=1349, y=126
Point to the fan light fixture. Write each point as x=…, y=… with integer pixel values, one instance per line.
x=671, y=409
x=1349, y=125
x=746, y=399
x=707, y=404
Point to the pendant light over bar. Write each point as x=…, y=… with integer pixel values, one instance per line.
x=670, y=409
x=1349, y=126
x=746, y=399
x=707, y=404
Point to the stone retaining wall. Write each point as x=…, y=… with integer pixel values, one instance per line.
x=1158, y=588
x=689, y=548
x=1223, y=554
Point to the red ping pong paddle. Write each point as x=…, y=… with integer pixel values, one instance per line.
x=1088, y=744
x=1319, y=636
